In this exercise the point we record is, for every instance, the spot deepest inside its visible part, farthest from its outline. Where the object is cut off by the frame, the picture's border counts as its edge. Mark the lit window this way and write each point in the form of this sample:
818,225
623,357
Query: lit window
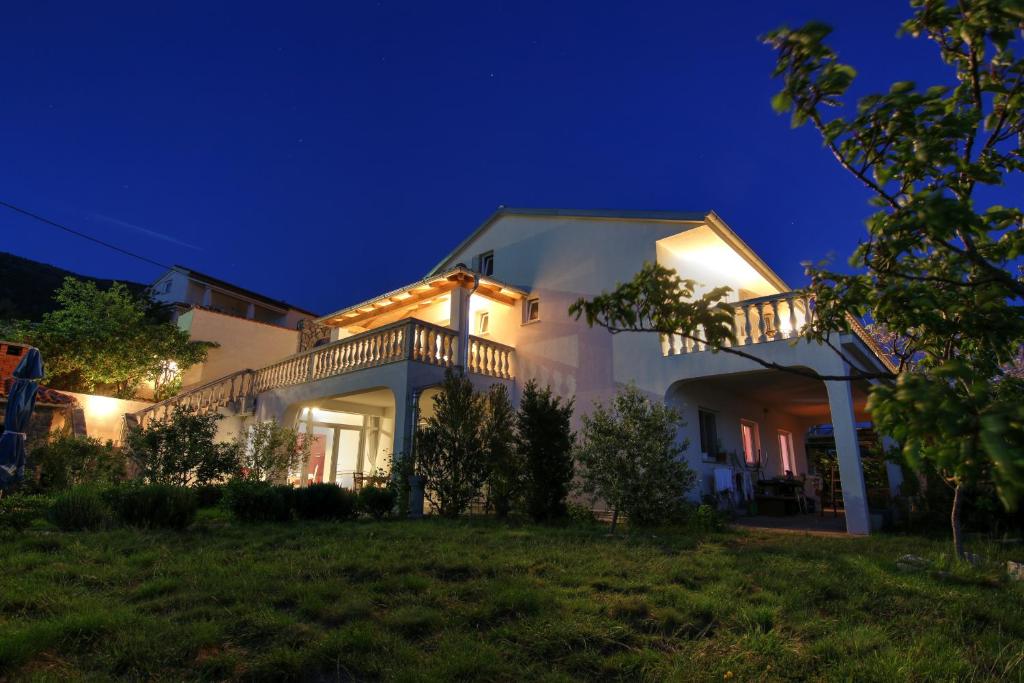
751,441
486,263
483,322
786,452
532,311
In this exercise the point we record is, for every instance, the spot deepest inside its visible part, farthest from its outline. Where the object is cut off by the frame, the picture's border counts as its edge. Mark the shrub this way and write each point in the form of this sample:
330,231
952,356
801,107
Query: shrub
545,439
324,501
580,514
258,501
504,463
181,450
268,451
208,495
706,518
67,460
17,512
80,509
631,459
449,449
153,506
377,501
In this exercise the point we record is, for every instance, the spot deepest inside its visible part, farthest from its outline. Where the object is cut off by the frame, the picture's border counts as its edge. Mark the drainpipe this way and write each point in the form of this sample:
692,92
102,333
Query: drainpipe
415,482
464,325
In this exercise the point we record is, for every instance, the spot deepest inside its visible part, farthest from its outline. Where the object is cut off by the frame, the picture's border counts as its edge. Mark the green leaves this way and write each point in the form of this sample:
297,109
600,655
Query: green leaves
932,266
658,300
631,460
109,341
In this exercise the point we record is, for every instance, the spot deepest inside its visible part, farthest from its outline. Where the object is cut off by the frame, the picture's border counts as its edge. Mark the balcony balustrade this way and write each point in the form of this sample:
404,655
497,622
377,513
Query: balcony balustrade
755,321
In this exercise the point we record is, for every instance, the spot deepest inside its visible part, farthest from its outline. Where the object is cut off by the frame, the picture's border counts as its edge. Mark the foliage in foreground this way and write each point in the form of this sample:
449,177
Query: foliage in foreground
940,262
460,600
631,459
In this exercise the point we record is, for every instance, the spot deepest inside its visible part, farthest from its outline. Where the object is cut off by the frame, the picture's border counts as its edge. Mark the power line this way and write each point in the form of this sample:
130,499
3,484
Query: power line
65,228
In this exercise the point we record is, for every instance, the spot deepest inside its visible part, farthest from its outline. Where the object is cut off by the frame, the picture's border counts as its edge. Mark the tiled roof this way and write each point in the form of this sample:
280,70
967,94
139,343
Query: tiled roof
45,395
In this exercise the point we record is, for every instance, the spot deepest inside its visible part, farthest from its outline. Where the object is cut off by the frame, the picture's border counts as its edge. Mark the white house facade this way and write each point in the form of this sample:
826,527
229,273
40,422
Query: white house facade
497,306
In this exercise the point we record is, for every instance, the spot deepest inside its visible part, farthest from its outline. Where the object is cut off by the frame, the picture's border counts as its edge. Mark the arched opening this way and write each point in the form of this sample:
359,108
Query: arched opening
351,438
748,436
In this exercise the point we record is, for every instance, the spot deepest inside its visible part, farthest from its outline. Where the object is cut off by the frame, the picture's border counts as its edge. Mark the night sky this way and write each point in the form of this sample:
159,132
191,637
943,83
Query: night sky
325,152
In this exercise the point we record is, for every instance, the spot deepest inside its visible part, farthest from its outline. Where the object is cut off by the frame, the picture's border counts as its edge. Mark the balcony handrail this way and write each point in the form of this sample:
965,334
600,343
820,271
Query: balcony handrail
186,397
774,317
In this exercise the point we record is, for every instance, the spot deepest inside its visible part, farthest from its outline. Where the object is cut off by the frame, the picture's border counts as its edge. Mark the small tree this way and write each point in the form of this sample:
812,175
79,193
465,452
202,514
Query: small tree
268,451
545,440
505,465
181,450
631,458
109,340
450,450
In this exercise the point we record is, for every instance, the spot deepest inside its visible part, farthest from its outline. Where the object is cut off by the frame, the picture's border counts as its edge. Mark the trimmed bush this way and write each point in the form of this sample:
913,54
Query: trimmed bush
324,501
80,509
208,495
67,460
153,506
377,501
258,501
17,512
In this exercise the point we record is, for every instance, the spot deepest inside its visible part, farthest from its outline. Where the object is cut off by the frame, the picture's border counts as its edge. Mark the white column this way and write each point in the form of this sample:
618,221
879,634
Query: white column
460,322
851,474
207,297
250,311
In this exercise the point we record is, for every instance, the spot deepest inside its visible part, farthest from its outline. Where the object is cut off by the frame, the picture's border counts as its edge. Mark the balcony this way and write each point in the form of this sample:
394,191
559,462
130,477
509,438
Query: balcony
755,321
406,340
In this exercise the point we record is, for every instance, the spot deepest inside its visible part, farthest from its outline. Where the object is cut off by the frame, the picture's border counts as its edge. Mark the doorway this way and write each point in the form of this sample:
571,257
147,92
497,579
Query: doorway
342,445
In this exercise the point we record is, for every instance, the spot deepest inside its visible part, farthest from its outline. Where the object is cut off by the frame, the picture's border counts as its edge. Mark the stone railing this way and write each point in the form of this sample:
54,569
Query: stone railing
233,391
490,358
756,321
412,340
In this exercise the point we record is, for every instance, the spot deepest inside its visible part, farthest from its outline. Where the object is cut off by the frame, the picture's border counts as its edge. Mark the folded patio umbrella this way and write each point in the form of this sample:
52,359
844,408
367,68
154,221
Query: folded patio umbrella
21,399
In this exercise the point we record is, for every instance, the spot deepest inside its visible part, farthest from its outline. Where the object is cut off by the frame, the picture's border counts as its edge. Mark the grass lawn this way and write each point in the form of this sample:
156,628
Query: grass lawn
474,599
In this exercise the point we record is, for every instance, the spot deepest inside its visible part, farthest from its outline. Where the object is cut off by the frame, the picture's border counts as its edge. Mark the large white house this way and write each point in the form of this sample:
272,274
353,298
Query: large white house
498,307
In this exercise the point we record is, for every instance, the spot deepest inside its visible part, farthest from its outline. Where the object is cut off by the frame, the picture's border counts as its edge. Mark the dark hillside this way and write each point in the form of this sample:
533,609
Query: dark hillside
27,286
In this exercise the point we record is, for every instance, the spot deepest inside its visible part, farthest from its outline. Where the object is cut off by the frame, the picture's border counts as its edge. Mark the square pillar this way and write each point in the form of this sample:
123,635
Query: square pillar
851,473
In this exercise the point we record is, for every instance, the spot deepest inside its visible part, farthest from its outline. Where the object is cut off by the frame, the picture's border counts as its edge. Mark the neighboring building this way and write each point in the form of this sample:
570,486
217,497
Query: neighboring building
185,288
250,329
497,306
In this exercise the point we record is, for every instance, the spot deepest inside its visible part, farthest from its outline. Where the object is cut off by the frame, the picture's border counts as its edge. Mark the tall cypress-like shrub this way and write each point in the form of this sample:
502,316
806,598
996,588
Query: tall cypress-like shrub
545,441
504,462
449,447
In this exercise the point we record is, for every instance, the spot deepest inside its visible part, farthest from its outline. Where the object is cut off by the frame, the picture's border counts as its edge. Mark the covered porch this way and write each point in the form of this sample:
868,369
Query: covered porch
748,441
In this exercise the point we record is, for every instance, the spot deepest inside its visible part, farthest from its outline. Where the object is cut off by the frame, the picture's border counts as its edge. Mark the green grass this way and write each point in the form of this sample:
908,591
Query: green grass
477,600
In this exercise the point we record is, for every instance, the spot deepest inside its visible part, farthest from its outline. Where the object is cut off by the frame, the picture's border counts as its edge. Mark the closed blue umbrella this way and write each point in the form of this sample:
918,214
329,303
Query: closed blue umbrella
21,399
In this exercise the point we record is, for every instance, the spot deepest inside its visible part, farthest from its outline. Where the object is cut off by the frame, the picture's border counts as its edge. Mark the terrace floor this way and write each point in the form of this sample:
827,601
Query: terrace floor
813,523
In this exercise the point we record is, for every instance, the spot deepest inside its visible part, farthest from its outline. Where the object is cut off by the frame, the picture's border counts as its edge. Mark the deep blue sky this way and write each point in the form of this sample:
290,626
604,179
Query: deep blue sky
325,152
